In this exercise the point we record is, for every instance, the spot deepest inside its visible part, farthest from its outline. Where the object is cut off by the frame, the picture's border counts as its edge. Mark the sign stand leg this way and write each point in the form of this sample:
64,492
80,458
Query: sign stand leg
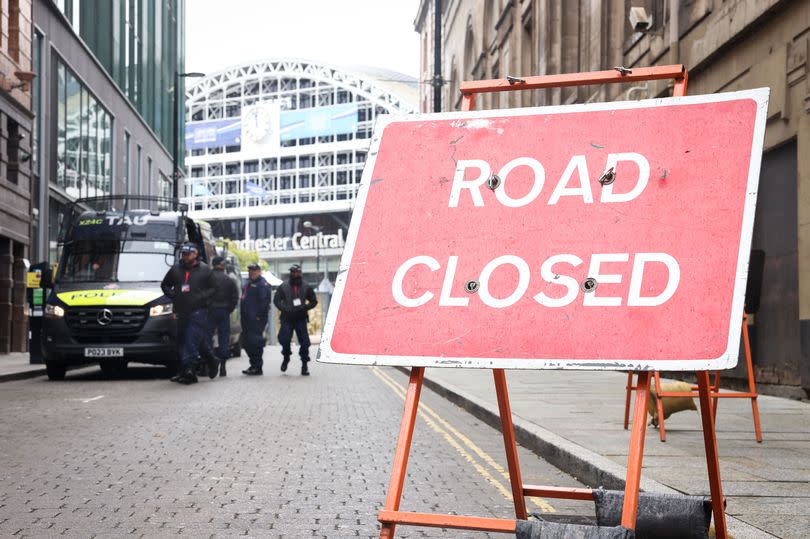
659,402
630,387
752,386
636,453
403,448
509,443
712,460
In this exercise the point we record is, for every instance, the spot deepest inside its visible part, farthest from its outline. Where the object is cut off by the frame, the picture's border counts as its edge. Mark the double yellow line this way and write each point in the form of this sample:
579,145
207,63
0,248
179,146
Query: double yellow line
457,440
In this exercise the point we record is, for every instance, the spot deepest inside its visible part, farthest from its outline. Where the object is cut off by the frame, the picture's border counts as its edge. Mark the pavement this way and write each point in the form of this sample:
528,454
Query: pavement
281,456
574,421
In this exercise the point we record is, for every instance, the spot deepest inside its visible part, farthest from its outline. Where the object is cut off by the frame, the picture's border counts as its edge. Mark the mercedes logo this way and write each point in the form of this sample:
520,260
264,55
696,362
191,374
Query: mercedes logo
105,317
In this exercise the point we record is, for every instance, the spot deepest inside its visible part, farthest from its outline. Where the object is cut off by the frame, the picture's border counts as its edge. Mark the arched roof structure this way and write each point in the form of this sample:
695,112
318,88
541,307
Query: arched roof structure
312,174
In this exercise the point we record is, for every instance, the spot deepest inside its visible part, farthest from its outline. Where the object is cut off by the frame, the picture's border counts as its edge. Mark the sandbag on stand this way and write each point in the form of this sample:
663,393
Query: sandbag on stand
660,516
541,529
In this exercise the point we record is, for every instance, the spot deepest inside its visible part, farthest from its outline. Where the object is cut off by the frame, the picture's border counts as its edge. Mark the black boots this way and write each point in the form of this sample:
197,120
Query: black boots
222,371
178,374
284,363
253,371
213,367
188,377
304,369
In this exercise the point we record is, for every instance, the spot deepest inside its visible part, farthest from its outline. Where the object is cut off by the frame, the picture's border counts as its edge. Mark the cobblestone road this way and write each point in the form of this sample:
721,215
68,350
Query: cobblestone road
272,456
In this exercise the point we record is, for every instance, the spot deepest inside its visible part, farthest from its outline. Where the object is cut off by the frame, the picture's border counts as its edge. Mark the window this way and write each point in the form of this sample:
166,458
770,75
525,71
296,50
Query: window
84,146
165,187
138,185
127,186
36,101
13,150
149,176
14,29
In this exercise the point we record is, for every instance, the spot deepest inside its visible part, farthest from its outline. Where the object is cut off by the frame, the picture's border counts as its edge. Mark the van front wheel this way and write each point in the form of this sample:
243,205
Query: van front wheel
55,371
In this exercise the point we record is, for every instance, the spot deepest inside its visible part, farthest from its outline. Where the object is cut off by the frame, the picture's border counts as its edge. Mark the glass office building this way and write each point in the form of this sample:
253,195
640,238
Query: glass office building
275,153
104,103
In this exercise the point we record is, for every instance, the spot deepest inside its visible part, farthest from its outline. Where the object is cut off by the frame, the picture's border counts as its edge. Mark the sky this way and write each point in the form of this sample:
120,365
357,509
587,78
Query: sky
377,33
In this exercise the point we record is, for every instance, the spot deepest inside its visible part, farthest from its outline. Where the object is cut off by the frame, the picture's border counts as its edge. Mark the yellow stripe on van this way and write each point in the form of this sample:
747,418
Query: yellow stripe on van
89,298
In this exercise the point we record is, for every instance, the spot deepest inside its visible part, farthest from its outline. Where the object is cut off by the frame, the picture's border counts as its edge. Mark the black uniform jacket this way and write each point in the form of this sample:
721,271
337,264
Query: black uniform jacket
226,293
284,301
190,288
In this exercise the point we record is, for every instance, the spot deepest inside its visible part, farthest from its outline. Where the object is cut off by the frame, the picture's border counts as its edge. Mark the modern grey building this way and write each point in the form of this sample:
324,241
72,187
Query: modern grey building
103,100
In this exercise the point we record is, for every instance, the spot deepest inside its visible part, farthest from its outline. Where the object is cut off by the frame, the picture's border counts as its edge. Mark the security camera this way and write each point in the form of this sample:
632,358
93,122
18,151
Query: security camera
640,20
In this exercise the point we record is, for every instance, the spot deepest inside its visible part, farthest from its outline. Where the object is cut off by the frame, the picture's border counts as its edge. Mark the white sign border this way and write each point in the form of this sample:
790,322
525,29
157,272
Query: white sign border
726,361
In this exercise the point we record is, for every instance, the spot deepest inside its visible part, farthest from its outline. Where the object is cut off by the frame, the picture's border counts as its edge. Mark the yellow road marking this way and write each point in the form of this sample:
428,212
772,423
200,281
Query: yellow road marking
426,413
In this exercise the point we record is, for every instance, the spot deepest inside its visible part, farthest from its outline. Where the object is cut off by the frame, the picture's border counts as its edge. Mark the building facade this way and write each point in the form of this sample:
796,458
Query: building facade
16,122
275,152
103,100
726,45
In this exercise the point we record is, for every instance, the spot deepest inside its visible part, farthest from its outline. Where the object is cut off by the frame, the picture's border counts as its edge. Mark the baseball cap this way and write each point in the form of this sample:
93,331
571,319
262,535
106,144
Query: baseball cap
295,267
217,260
254,266
188,248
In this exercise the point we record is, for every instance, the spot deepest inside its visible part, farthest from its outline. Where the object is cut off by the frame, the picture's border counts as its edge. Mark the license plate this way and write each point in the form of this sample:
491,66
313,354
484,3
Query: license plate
103,352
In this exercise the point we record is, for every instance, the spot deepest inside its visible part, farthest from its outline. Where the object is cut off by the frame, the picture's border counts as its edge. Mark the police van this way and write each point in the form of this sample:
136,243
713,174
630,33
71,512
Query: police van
106,305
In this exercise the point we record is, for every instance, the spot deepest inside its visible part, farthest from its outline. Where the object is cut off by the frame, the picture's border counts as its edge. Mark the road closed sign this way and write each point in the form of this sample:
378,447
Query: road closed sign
599,236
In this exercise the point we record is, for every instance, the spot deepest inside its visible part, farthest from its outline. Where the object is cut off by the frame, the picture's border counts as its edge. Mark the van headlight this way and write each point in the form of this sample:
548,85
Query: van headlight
54,311
160,310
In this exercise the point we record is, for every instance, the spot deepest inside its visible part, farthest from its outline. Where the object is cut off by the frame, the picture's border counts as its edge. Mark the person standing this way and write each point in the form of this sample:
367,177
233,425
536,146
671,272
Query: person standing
190,286
255,310
223,302
295,298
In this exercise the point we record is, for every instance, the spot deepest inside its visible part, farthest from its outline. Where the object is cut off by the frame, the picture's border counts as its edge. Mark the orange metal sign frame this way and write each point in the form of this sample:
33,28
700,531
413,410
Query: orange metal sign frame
390,516
715,389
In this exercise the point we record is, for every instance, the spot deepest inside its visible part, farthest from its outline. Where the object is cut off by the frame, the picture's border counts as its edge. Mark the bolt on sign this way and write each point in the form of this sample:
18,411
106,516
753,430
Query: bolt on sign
598,236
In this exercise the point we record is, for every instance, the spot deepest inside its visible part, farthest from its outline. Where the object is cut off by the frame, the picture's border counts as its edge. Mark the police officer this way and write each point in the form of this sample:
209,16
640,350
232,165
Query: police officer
190,286
224,301
255,311
295,298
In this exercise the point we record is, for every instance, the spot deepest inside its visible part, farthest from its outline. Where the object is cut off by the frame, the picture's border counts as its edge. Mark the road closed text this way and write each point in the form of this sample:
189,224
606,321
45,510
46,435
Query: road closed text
559,287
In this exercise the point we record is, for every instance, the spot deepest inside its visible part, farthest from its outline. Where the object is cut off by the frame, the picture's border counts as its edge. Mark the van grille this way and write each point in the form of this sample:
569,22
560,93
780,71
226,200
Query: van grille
121,320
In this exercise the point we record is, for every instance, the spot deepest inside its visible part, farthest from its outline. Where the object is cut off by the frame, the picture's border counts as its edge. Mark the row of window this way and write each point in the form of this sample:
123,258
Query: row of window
84,144
84,139
137,43
363,132
278,163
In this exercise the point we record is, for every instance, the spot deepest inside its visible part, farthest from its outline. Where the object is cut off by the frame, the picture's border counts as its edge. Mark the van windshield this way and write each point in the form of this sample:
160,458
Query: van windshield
112,261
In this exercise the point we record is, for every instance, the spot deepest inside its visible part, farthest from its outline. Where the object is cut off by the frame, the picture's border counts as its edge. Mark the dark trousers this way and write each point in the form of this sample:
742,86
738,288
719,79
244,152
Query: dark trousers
192,335
219,322
253,341
285,337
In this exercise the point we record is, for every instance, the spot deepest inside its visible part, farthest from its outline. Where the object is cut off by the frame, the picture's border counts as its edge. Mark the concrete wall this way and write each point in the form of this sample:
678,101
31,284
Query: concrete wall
726,45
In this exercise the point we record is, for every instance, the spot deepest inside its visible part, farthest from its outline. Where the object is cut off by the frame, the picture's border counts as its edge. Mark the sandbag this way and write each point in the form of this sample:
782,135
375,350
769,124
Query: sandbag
671,405
541,529
660,516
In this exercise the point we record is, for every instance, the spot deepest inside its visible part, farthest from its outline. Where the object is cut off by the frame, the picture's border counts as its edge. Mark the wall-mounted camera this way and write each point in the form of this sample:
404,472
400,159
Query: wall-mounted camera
640,20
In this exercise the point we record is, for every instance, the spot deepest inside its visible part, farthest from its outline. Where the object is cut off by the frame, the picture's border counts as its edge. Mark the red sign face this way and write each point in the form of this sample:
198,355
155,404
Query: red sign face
604,236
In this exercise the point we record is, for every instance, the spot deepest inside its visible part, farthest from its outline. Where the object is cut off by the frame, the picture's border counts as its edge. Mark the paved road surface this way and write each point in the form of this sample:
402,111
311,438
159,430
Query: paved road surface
272,456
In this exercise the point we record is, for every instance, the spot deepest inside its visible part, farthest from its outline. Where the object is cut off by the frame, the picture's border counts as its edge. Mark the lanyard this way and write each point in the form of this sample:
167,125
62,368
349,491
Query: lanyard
295,291
186,281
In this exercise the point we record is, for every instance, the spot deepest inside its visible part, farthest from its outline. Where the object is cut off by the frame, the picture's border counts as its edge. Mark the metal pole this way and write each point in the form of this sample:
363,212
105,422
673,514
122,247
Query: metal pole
437,56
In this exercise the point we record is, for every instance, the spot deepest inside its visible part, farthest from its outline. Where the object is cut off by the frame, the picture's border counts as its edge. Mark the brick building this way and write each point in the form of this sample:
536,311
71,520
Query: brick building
726,45
15,170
